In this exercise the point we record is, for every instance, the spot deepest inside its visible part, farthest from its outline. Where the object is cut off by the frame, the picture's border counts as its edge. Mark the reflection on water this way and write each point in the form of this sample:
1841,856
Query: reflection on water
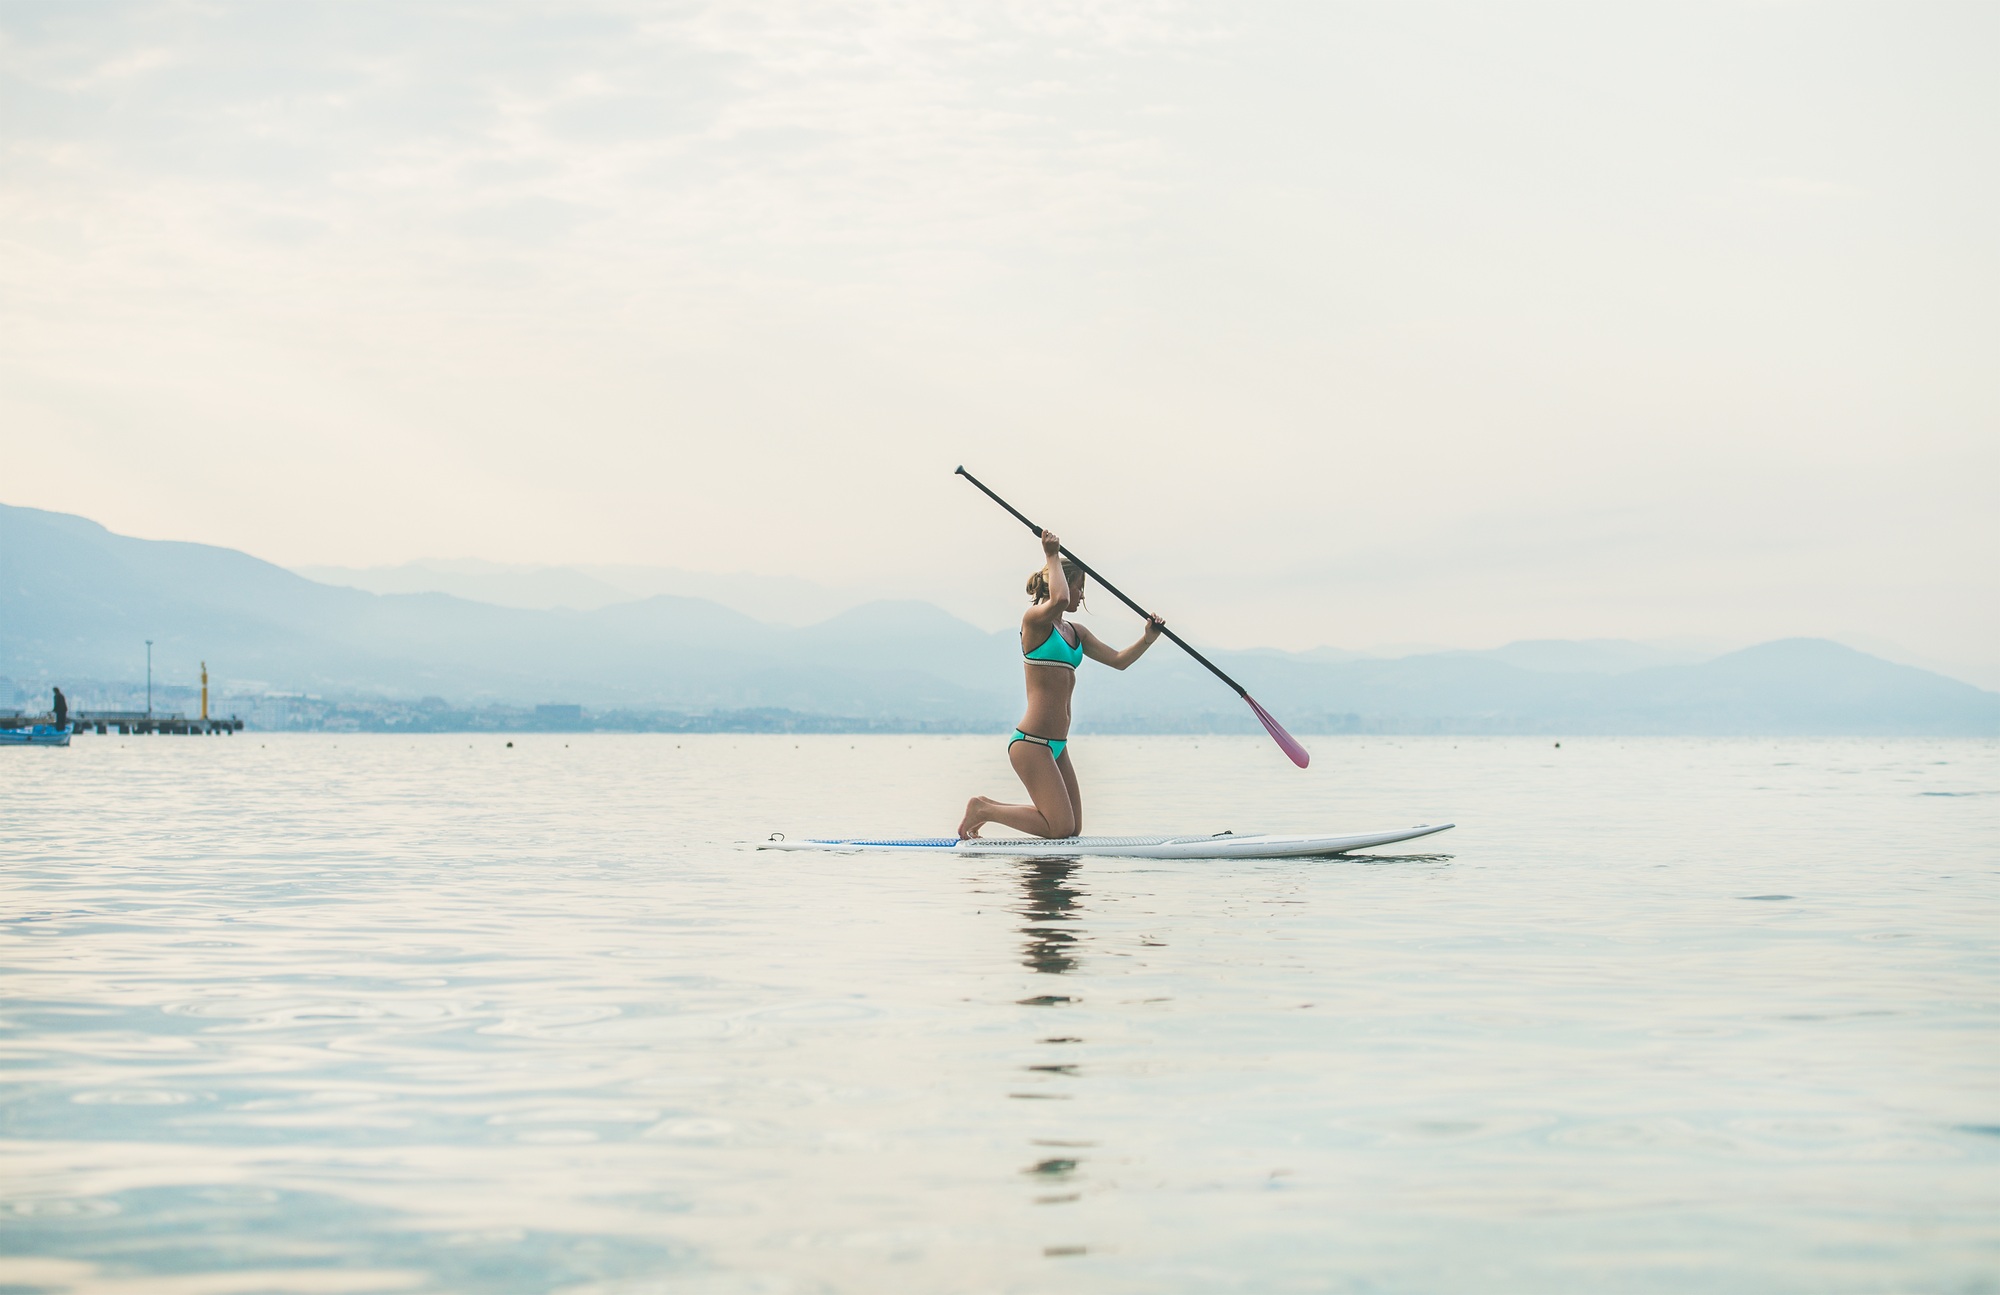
1050,903
1048,898
438,1015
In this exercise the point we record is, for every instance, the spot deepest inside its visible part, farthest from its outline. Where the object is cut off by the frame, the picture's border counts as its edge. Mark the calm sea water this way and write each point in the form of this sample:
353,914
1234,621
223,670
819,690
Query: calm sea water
352,1013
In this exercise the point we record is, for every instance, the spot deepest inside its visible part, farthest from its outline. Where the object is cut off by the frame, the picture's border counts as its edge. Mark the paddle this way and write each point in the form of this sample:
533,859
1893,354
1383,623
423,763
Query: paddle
1286,742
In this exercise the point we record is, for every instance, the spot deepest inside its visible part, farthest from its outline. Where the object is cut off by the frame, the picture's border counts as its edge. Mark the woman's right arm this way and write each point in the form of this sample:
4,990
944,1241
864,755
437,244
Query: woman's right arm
1046,613
1052,563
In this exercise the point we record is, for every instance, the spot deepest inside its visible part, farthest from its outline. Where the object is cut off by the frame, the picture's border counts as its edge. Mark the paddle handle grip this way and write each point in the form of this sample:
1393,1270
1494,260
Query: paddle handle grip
1110,588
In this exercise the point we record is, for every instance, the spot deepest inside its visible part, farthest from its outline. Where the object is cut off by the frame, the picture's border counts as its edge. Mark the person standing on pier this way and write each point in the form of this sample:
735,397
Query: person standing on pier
62,710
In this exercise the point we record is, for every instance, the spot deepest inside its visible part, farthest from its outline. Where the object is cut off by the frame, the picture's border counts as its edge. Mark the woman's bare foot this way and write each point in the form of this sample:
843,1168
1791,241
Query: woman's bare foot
975,818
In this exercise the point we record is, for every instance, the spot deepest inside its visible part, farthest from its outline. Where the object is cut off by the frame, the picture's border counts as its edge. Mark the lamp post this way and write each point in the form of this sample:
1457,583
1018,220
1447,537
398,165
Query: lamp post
149,678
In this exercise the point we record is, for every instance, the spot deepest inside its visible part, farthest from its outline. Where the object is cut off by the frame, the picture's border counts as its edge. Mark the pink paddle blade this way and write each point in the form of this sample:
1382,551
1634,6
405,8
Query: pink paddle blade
1286,742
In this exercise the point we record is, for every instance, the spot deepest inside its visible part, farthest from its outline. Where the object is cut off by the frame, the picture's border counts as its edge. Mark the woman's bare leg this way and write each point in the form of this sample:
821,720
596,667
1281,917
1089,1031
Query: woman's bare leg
1068,772
1052,815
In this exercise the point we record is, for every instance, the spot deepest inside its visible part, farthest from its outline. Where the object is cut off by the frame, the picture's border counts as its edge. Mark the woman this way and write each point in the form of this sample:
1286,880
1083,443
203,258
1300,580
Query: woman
1052,648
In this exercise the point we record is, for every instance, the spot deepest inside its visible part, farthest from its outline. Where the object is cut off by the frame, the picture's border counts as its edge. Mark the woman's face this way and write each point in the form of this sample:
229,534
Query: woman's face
1075,595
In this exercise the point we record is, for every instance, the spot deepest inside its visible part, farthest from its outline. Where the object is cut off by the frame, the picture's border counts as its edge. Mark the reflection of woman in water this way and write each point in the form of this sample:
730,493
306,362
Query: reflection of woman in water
1052,649
1051,899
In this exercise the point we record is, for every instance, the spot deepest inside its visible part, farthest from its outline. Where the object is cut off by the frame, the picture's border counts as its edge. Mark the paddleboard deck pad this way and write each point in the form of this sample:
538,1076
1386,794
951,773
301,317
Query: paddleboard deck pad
1223,845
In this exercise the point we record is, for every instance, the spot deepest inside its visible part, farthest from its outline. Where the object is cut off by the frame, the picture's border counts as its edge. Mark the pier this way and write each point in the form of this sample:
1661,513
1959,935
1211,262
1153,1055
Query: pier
135,721
131,721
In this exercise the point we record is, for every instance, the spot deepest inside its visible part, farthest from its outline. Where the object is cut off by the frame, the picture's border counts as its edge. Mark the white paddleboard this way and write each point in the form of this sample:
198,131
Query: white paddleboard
1224,845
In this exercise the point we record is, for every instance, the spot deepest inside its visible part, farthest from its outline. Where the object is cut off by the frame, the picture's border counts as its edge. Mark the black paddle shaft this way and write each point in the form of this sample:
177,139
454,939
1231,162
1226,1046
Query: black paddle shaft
1114,590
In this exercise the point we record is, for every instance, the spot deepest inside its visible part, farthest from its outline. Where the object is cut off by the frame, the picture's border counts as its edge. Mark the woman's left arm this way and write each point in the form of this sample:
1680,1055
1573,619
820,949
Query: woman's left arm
1098,650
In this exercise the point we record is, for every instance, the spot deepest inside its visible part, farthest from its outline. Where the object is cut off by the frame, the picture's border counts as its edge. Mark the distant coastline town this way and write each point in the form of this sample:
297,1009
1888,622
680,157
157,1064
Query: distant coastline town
307,713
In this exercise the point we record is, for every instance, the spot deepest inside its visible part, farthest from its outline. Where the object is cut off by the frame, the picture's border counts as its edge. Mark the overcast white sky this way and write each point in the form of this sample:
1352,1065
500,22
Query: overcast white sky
1309,322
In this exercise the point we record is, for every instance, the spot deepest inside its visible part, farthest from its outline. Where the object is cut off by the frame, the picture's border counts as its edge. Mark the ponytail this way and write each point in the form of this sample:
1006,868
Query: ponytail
1038,582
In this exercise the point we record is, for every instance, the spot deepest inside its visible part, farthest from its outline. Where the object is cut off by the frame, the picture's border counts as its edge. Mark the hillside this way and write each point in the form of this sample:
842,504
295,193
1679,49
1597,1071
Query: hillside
77,603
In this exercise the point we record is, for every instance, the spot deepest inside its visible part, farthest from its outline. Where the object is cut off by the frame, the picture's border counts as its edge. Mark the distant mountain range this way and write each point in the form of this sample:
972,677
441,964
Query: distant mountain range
77,602
778,599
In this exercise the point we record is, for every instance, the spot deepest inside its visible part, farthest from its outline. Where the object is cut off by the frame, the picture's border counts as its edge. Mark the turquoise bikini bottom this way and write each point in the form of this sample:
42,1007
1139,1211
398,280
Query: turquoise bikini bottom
1054,744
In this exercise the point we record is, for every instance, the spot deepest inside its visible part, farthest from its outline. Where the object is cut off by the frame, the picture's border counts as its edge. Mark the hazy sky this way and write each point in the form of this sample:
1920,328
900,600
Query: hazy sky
1312,323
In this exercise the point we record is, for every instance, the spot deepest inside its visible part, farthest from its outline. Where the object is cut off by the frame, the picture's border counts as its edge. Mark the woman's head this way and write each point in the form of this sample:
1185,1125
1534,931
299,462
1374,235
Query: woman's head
1038,584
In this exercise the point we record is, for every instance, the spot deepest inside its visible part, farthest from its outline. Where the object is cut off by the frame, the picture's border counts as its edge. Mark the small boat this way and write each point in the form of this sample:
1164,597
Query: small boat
35,735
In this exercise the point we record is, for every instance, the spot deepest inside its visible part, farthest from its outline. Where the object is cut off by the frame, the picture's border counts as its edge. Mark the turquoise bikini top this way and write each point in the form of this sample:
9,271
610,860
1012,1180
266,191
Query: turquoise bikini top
1057,650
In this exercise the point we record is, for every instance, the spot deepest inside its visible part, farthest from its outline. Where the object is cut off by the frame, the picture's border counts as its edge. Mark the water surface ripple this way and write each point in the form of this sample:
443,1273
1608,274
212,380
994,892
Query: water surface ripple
365,1013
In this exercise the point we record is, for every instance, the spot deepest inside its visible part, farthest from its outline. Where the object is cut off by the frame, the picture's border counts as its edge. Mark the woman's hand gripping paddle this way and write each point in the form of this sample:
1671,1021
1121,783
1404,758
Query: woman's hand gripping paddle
1286,742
